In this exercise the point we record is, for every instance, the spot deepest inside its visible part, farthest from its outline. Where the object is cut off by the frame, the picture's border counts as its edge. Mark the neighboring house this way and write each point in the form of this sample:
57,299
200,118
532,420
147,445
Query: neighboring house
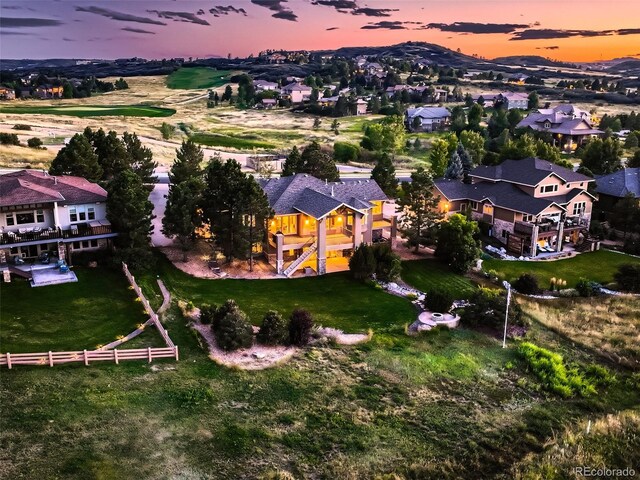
263,85
615,186
24,92
297,92
518,79
531,205
43,213
427,119
568,125
508,100
267,103
361,107
7,93
49,91
276,58
438,95
316,222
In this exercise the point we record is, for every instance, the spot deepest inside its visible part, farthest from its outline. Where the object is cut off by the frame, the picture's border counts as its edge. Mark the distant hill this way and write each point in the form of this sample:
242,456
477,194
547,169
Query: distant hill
531,61
626,65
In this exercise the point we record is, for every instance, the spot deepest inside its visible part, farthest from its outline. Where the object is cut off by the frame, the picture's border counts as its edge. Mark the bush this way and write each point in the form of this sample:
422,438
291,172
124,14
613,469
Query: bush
344,152
207,313
21,126
234,331
102,257
300,325
587,288
388,263
273,330
362,263
488,308
9,139
527,284
34,142
438,300
631,245
220,312
628,277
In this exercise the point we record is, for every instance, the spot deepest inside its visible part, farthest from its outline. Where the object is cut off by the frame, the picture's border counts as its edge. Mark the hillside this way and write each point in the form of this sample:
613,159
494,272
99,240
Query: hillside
531,61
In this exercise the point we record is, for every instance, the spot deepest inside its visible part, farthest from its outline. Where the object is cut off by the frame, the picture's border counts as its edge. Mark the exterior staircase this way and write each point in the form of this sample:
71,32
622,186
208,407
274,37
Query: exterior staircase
20,273
298,261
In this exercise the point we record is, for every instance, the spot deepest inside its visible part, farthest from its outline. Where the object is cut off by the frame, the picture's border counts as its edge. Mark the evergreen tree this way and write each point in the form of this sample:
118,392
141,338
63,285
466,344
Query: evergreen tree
140,158
475,116
497,123
187,164
130,212
474,143
602,156
634,162
112,153
514,117
439,157
466,160
420,209
181,217
293,163
455,169
77,158
384,173
534,101
226,95
631,141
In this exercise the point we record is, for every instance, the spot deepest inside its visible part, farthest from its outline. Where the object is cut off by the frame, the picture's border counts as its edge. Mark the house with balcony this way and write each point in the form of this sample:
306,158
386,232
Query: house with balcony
427,119
50,216
568,125
318,224
532,206
613,187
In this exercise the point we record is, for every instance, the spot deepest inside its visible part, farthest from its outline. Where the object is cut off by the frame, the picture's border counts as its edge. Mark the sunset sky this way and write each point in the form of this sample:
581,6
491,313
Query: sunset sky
578,30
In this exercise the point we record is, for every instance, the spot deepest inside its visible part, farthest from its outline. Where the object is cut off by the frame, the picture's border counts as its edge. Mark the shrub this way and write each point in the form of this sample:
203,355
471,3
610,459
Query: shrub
488,308
9,139
631,245
34,142
273,330
362,263
234,331
527,284
300,325
344,152
21,126
628,277
220,312
438,300
587,288
388,263
207,313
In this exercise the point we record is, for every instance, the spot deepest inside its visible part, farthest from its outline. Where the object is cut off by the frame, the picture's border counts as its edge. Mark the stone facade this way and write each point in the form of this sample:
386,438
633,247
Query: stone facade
500,226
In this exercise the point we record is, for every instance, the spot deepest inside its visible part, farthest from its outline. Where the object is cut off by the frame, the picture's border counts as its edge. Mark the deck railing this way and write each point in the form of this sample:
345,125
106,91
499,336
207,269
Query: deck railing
9,238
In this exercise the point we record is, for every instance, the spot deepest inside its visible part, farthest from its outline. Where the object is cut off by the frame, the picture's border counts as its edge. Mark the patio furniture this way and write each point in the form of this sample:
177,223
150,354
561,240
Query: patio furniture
214,266
64,268
44,258
17,260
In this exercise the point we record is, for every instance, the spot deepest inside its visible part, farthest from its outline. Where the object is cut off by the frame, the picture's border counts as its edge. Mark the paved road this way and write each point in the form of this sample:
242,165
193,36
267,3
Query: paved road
157,197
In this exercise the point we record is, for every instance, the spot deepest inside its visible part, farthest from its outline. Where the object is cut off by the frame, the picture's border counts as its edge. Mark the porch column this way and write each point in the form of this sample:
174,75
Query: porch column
357,229
394,229
368,233
560,235
534,241
322,246
279,253
56,217
62,251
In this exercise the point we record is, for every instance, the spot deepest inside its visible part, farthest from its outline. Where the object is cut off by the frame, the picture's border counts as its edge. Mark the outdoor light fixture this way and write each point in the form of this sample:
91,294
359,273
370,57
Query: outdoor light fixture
306,222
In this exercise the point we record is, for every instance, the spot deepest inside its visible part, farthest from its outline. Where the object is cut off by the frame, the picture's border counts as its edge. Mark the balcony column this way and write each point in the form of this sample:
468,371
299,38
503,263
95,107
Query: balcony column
534,240
322,246
357,229
368,233
56,217
279,253
394,229
560,235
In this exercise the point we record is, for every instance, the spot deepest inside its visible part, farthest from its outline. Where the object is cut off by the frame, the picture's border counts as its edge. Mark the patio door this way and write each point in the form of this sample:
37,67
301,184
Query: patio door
487,213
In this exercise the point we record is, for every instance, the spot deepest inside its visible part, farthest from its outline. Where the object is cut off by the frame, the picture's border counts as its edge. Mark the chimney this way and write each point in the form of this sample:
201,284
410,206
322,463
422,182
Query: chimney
55,180
332,190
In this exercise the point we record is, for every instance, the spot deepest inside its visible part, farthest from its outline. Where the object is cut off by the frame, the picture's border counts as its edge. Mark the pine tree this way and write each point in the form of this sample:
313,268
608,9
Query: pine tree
112,154
181,217
293,163
384,173
439,157
140,158
187,164
77,158
313,161
455,169
467,162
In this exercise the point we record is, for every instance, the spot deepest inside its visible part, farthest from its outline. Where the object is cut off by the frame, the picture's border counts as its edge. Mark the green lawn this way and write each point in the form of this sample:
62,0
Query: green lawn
92,110
598,266
197,78
71,316
335,300
427,274
237,142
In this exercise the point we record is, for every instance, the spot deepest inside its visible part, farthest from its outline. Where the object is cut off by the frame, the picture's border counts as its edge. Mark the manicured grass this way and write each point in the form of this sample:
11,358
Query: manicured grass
197,78
219,140
599,266
92,110
427,274
71,316
335,300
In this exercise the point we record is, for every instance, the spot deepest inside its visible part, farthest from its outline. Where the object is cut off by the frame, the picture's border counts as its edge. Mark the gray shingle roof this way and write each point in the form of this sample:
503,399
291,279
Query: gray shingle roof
529,171
304,193
428,112
620,183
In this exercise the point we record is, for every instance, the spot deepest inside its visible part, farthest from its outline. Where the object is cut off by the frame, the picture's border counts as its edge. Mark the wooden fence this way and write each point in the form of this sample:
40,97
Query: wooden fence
145,303
87,356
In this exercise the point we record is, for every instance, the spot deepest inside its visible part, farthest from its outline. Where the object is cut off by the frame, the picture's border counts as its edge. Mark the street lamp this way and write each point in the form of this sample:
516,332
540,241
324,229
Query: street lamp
506,285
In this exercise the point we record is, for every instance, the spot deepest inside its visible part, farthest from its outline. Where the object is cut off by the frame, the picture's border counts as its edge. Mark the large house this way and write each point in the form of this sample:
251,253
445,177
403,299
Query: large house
56,215
49,91
297,92
568,125
427,119
508,100
614,187
317,223
531,205
7,93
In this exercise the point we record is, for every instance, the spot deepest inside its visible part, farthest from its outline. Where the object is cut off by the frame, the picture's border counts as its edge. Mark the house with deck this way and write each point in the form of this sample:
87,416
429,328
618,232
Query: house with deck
614,187
44,216
318,224
532,206
7,93
568,125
